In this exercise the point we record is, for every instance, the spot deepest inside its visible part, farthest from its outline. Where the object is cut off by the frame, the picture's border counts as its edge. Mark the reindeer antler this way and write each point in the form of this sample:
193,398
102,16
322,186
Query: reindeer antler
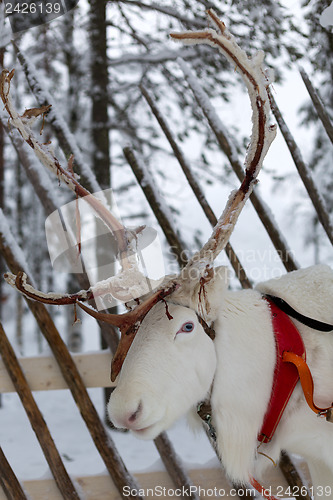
262,135
130,277
257,82
46,156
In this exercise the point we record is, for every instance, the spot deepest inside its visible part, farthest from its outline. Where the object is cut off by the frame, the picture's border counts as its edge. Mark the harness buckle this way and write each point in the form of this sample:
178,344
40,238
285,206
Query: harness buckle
329,414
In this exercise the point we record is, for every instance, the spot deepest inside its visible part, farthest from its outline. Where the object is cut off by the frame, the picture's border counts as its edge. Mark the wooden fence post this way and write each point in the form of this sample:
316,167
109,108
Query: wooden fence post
9,482
37,421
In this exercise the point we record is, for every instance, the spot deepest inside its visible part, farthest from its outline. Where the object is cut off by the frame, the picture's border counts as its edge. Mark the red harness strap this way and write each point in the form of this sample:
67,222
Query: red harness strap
286,376
289,368
260,489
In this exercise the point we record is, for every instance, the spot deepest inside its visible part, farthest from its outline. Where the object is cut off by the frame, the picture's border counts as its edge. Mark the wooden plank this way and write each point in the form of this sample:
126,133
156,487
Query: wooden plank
101,487
43,372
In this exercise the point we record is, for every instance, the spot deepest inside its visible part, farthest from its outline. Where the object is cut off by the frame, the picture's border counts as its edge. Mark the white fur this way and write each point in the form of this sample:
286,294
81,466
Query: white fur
165,375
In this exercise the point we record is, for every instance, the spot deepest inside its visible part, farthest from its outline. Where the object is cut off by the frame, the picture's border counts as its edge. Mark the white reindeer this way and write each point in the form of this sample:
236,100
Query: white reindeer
167,363
173,365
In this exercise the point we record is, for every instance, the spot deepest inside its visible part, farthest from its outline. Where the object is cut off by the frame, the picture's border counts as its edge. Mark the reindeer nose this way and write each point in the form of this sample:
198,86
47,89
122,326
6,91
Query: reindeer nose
125,412
132,418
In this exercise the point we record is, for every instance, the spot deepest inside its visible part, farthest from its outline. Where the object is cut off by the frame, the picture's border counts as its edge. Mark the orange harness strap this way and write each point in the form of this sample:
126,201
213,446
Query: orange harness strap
294,342
260,489
308,389
307,383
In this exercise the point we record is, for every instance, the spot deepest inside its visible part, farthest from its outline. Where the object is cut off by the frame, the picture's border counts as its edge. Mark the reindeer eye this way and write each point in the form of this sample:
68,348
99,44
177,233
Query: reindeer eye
187,327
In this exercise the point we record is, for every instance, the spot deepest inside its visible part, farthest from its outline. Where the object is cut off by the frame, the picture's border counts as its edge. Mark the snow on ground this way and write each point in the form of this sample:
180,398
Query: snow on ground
75,445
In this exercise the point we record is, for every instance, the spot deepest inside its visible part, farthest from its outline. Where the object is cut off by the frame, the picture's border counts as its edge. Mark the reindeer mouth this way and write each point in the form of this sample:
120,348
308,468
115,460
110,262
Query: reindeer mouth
149,432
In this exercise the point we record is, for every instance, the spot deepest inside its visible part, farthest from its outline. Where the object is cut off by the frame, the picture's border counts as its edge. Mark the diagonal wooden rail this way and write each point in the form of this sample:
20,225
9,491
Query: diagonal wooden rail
228,148
318,104
8,481
37,422
304,172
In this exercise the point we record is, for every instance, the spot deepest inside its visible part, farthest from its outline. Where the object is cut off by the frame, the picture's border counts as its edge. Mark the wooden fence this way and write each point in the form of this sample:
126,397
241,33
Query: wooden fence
78,372
43,373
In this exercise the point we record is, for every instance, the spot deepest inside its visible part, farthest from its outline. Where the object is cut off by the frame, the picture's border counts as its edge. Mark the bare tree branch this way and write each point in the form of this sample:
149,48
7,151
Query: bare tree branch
153,57
195,23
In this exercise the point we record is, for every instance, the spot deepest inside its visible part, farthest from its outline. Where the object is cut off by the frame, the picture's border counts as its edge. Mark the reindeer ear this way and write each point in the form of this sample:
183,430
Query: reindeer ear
204,297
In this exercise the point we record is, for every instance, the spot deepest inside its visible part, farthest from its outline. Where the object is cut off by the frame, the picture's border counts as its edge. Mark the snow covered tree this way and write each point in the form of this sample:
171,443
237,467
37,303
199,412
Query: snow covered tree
94,62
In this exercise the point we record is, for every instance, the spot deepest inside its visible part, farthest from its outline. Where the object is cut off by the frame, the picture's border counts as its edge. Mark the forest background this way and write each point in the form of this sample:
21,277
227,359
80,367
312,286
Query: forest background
94,65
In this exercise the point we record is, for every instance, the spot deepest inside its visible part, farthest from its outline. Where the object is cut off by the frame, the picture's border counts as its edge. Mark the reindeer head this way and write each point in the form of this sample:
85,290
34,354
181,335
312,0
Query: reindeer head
171,363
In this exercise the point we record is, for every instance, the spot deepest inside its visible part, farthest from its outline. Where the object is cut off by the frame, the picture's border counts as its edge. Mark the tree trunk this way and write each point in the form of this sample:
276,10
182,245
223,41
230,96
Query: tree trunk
99,121
2,205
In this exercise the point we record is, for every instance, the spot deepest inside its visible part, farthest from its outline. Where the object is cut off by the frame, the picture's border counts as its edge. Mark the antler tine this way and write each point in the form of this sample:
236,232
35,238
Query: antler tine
19,282
261,137
130,275
128,323
45,154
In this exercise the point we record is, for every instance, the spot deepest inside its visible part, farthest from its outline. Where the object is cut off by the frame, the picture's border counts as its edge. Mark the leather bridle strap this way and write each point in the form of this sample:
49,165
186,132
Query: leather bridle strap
209,330
312,323
298,361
